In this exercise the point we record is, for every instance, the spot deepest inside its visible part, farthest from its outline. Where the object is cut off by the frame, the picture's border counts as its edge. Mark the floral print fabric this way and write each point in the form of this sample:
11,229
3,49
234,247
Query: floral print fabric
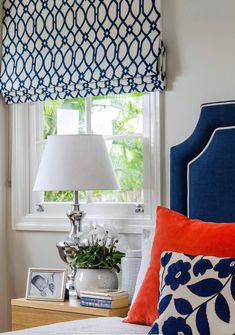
197,295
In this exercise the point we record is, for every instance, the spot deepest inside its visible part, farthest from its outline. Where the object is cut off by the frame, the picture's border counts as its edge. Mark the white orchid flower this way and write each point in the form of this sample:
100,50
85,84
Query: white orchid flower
97,234
112,231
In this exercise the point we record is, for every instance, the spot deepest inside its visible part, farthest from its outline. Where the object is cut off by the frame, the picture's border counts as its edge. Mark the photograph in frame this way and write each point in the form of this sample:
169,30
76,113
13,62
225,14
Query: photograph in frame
46,284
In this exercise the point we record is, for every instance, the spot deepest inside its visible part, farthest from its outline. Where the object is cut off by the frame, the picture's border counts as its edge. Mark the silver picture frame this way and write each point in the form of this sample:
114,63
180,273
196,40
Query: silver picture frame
46,284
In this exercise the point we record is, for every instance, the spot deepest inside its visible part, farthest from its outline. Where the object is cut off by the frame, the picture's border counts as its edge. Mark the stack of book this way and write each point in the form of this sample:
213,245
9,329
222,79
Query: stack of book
104,299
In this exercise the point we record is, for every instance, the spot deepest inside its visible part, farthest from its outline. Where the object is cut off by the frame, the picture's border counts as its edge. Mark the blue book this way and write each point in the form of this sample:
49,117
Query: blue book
103,303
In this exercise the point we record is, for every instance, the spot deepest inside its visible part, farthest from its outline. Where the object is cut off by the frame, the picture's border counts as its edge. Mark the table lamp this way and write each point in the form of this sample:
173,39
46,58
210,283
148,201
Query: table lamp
74,163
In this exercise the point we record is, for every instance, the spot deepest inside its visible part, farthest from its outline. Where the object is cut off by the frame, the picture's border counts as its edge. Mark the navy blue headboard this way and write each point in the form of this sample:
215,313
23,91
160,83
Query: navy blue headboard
205,188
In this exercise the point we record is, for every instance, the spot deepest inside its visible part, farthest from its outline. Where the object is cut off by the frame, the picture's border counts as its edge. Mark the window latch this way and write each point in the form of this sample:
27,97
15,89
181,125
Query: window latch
139,208
39,208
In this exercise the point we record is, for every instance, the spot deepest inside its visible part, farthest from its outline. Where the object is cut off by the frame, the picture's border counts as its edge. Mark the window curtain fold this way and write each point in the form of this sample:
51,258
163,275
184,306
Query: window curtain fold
57,49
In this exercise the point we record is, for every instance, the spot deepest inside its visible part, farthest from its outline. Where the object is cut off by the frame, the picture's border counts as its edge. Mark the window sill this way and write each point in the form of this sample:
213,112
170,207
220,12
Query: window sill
34,222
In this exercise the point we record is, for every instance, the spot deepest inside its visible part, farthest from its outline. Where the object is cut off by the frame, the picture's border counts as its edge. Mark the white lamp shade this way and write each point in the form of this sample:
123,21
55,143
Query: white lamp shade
75,162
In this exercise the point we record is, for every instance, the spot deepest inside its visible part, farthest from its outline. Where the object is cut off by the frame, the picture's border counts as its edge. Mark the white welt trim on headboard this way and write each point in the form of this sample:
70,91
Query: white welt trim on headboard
201,154
229,102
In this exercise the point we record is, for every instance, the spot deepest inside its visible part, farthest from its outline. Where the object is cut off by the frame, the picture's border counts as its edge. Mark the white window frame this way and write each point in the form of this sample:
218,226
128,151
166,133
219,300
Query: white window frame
26,133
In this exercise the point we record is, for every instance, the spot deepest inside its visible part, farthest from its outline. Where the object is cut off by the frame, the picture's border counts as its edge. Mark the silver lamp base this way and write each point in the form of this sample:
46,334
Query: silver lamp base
68,248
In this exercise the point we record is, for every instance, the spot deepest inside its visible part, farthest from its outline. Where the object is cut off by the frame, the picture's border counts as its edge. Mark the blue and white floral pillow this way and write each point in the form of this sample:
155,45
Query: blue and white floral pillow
197,295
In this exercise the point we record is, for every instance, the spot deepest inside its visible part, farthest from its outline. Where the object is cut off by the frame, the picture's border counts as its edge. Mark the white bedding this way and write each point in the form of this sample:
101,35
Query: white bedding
94,326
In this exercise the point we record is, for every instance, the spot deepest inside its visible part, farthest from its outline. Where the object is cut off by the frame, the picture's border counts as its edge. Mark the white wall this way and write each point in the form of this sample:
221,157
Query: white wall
4,255
200,36
200,39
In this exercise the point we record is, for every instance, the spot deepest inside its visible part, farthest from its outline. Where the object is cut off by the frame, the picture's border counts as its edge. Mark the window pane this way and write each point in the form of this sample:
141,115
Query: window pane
64,117
58,196
61,196
109,115
117,114
127,159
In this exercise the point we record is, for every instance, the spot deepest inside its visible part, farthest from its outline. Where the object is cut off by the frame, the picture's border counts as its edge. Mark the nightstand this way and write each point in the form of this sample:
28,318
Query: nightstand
32,313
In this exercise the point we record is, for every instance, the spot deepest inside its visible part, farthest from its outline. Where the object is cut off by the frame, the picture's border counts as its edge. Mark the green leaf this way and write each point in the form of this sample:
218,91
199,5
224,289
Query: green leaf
97,256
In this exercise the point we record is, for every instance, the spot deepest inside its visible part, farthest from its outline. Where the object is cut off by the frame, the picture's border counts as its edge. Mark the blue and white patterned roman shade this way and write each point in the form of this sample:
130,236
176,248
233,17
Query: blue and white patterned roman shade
56,49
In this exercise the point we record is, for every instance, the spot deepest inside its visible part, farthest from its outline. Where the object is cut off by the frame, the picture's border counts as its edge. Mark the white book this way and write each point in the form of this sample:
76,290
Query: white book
104,294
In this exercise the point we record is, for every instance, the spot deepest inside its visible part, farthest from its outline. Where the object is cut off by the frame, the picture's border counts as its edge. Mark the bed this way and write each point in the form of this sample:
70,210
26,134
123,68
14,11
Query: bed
104,326
202,167
202,186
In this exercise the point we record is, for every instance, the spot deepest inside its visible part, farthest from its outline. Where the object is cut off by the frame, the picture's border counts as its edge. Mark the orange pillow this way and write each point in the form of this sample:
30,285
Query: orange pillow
175,232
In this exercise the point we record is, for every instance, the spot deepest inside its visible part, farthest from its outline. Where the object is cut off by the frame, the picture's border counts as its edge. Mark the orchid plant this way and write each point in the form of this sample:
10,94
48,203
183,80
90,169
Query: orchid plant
100,249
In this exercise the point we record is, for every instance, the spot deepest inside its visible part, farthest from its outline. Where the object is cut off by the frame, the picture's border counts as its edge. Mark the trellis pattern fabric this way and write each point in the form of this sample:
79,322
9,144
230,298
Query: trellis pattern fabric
56,49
